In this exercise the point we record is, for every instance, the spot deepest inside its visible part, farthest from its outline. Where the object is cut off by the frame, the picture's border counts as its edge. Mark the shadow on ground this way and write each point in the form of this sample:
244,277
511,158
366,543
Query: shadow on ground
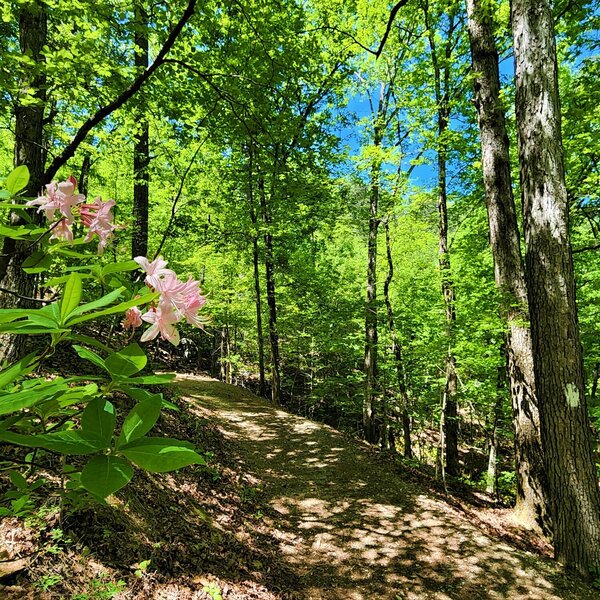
349,528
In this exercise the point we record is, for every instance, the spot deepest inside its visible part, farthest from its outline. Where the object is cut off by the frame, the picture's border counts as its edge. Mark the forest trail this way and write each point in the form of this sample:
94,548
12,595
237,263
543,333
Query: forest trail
352,529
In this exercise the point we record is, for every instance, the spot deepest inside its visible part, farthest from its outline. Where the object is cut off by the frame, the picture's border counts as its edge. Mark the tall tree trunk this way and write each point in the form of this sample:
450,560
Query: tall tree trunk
84,174
29,151
255,265
397,349
495,417
370,362
450,407
558,361
271,297
141,151
595,377
531,506
441,70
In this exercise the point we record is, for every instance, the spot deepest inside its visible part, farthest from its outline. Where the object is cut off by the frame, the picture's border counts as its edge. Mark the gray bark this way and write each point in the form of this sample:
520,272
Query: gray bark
271,295
441,70
558,362
397,350
531,505
29,151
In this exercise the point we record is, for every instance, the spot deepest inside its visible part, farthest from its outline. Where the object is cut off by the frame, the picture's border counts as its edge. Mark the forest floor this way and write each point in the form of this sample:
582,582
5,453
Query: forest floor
288,509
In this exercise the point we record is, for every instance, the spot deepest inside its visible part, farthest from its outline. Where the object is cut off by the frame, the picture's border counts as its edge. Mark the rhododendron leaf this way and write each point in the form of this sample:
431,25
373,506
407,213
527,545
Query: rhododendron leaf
18,369
29,328
64,442
7,315
89,355
141,419
17,180
120,267
152,379
126,362
104,475
122,307
30,396
159,455
38,262
98,420
103,301
71,295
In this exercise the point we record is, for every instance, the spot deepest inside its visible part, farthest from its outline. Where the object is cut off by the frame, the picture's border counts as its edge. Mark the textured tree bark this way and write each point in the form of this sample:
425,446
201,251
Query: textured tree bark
558,362
141,151
449,420
256,264
492,470
29,150
450,407
84,175
397,349
271,296
531,506
594,389
370,361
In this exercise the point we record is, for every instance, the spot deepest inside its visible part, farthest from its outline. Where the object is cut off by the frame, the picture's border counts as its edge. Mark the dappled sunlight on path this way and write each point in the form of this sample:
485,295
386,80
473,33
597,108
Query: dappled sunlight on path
350,527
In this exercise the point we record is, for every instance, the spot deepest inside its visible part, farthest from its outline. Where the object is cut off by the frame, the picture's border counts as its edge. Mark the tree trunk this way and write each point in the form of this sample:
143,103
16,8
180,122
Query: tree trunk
449,428
271,297
495,417
595,377
558,361
370,362
141,151
397,349
255,264
84,174
531,506
29,151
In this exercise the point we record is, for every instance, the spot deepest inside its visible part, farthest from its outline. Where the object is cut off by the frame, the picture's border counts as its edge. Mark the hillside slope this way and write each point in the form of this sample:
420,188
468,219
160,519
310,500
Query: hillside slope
286,509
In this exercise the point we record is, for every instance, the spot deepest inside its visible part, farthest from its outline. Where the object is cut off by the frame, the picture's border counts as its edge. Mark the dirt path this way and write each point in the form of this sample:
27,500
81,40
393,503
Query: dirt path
351,529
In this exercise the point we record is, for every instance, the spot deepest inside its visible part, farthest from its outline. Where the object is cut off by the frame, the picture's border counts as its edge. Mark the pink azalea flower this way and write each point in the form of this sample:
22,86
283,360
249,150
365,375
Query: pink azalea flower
133,318
157,277
163,322
185,299
62,230
99,221
59,197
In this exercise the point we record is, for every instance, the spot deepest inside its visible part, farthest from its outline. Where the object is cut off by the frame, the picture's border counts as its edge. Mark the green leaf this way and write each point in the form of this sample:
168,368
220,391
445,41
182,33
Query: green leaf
30,397
115,309
98,420
29,328
126,362
141,419
17,180
90,341
38,262
18,369
161,454
18,480
104,475
152,379
103,301
71,296
7,315
120,267
140,394
63,442
89,355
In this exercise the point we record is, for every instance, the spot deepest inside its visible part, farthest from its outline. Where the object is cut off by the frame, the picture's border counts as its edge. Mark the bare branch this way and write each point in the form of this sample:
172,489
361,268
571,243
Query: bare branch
97,118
